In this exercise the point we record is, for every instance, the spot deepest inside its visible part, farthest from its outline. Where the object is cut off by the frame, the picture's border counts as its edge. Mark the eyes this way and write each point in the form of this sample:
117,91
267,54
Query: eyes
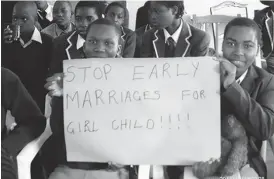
246,46
95,42
88,18
16,19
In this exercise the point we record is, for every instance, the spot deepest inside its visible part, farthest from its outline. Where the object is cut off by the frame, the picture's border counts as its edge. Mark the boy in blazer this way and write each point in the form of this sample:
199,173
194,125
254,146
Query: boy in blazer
264,19
70,46
172,37
117,13
247,92
98,33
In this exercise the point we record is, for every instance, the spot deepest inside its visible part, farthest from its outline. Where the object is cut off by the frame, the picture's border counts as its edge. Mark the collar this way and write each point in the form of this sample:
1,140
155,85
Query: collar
60,31
242,77
175,36
36,36
49,12
80,42
148,27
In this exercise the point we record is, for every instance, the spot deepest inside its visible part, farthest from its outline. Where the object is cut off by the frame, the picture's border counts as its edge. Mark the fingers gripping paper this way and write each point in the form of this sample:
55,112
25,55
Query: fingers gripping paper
142,111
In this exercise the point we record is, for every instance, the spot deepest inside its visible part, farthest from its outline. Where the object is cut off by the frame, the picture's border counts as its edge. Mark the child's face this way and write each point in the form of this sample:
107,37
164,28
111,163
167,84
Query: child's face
116,14
102,42
160,15
83,17
240,47
42,4
24,17
62,13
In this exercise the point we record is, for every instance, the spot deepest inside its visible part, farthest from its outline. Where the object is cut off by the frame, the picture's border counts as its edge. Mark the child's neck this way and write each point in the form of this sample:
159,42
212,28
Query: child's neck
63,27
174,26
26,37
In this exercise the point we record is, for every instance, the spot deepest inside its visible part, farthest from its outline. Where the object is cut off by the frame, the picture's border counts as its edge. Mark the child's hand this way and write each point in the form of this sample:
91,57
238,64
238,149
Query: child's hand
8,35
55,84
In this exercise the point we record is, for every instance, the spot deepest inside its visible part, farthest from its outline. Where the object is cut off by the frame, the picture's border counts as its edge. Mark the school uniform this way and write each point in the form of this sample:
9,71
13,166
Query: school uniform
128,38
45,17
265,20
54,31
30,61
251,102
30,121
187,41
139,34
66,47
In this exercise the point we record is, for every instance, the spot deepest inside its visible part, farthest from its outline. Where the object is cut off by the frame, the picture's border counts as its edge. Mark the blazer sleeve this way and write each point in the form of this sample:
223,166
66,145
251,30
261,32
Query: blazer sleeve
256,115
30,121
129,46
202,46
56,63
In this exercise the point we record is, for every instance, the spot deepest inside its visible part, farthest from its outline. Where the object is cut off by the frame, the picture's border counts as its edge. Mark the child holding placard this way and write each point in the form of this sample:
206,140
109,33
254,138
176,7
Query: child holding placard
102,41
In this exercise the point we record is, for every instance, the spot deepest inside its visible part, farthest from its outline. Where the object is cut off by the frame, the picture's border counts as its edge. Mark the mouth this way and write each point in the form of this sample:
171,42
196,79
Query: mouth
238,63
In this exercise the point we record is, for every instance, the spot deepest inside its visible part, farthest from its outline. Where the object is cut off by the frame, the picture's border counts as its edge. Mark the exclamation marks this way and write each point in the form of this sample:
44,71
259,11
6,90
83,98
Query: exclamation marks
161,122
169,120
179,121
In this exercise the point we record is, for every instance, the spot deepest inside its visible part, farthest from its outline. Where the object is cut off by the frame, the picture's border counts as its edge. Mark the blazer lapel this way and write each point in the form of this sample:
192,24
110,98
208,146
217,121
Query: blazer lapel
249,83
159,43
71,50
123,33
183,43
269,28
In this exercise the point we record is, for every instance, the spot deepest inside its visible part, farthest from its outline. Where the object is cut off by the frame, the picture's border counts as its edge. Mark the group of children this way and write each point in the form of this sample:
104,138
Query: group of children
247,91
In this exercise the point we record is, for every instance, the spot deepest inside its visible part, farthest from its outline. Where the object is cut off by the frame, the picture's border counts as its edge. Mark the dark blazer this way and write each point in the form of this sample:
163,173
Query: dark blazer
128,42
252,102
64,48
192,42
30,121
264,20
139,35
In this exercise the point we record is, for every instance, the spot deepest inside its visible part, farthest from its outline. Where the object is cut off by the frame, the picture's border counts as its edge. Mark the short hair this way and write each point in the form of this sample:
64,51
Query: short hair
31,4
245,22
68,2
104,21
91,4
116,4
179,4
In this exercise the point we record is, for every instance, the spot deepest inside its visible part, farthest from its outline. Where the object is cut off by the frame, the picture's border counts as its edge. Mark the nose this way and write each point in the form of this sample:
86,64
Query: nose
99,47
239,50
84,23
115,18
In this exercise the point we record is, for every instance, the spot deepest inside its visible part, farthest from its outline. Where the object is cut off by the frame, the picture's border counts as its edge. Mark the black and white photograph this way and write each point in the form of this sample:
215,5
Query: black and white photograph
136,89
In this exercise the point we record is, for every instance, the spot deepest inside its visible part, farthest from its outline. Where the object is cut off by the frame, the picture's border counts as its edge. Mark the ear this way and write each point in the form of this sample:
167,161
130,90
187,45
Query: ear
119,50
258,54
175,10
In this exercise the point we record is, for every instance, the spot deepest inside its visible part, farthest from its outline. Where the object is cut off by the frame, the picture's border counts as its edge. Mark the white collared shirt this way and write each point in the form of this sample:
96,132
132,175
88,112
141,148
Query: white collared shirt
80,42
242,77
36,36
49,10
175,36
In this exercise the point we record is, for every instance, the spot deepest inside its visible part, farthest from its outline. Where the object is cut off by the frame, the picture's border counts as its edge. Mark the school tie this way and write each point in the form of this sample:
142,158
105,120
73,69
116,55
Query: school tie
43,14
170,47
